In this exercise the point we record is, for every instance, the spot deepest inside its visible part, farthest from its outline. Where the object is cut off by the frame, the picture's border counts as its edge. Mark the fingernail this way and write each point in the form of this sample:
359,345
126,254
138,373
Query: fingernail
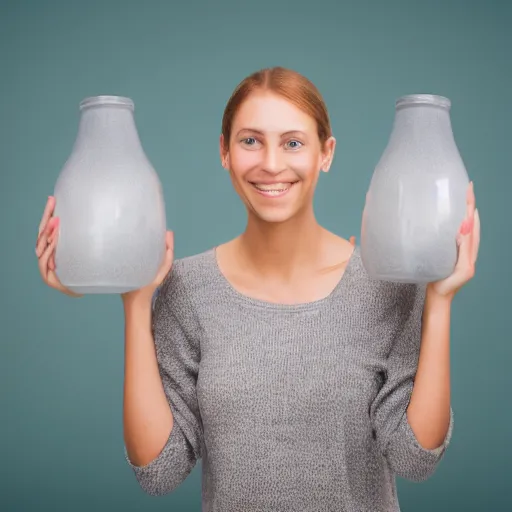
466,227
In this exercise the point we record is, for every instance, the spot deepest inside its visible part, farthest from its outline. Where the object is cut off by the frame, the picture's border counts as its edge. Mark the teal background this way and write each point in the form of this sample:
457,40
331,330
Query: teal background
61,360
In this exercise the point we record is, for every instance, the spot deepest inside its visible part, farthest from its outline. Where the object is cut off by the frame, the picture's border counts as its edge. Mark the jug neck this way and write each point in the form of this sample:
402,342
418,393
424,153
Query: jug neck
423,116
107,122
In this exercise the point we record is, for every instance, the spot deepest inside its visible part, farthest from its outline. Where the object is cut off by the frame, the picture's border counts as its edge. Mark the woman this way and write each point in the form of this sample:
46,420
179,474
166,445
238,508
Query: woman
299,382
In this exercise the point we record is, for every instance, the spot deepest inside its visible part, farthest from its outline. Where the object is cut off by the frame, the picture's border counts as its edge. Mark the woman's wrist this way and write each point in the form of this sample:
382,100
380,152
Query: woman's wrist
138,300
436,299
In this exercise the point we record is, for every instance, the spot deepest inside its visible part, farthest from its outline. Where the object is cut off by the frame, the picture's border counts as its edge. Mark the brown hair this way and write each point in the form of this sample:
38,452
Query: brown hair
288,83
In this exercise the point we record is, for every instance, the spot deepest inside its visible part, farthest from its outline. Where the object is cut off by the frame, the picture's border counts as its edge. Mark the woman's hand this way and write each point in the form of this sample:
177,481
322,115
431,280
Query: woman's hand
45,249
468,242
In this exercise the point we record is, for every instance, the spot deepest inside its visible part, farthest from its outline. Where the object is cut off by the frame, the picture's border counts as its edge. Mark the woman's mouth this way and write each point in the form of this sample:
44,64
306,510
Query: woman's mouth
273,189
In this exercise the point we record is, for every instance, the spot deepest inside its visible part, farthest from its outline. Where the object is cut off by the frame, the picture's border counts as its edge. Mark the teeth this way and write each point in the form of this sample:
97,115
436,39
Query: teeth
274,188
273,192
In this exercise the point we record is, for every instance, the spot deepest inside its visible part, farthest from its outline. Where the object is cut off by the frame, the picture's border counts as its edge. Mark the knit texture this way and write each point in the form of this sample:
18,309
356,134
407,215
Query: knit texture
289,407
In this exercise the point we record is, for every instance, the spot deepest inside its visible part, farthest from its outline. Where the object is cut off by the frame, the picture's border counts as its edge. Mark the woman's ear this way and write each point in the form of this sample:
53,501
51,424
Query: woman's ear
224,155
328,153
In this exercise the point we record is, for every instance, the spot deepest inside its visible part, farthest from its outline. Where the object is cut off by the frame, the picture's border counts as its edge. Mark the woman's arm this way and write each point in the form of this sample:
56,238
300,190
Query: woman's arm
411,415
147,416
429,409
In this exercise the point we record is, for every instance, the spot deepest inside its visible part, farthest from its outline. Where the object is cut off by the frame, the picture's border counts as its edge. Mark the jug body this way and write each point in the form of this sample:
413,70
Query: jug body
110,204
416,200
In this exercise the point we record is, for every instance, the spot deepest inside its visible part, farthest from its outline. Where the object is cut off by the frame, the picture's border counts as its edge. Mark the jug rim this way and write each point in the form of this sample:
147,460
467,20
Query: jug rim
423,99
102,100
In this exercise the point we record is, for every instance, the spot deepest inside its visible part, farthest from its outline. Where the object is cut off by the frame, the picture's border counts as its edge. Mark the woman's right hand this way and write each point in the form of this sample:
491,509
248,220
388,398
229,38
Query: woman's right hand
45,248
45,251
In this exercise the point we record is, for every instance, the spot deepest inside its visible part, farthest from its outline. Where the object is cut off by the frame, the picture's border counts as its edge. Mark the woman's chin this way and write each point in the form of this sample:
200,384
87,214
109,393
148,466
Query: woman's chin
273,215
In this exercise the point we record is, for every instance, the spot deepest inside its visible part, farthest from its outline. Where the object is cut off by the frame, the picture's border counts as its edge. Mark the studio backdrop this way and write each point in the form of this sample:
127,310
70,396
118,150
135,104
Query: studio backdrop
61,359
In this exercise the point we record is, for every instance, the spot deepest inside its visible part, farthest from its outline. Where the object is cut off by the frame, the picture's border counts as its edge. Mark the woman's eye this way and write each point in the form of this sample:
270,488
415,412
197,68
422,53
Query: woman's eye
294,144
250,141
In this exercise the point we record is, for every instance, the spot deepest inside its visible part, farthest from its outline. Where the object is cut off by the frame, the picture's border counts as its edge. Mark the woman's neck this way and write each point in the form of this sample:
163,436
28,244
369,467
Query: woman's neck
282,249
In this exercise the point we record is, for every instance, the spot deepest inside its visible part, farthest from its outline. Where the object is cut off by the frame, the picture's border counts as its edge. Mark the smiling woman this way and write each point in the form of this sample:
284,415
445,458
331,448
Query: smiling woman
300,382
276,137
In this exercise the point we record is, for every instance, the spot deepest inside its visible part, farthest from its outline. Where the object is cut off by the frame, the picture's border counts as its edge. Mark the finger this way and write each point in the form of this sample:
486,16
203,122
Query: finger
43,260
466,227
470,201
48,210
51,261
53,282
168,258
352,240
169,240
464,266
476,236
42,241
169,255
48,274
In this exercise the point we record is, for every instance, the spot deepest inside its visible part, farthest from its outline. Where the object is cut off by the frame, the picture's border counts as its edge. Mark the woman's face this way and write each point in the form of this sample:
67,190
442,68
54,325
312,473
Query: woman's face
275,156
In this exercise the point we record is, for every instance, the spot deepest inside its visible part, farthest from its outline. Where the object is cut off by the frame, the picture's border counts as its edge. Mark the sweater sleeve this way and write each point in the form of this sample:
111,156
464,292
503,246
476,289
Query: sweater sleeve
178,359
396,439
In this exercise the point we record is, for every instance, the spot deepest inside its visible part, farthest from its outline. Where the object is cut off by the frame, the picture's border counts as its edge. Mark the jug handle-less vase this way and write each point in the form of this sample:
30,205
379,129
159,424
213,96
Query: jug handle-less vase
110,204
416,200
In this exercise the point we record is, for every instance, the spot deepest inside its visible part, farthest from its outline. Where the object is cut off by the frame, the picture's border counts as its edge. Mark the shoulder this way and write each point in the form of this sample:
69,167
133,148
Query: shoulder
188,276
192,269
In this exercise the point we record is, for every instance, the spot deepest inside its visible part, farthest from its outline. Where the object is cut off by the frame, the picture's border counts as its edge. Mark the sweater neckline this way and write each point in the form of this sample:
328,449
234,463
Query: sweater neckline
226,287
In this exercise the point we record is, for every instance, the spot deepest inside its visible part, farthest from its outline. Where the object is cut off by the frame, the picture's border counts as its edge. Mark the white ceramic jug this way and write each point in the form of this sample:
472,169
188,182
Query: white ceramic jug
110,204
416,200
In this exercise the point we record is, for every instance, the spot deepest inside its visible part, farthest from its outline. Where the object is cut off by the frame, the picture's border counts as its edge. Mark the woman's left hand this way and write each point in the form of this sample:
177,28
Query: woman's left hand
468,242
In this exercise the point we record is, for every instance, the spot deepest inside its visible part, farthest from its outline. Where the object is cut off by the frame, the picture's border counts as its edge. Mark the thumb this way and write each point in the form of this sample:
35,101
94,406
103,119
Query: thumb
169,257
169,241
169,253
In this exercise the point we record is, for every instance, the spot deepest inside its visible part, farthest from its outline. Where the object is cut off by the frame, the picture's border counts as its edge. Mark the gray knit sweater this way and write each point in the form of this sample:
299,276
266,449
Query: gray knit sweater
291,408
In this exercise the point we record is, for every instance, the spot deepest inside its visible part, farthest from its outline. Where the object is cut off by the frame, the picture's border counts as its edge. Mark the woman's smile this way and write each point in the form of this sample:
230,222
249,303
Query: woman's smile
273,190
